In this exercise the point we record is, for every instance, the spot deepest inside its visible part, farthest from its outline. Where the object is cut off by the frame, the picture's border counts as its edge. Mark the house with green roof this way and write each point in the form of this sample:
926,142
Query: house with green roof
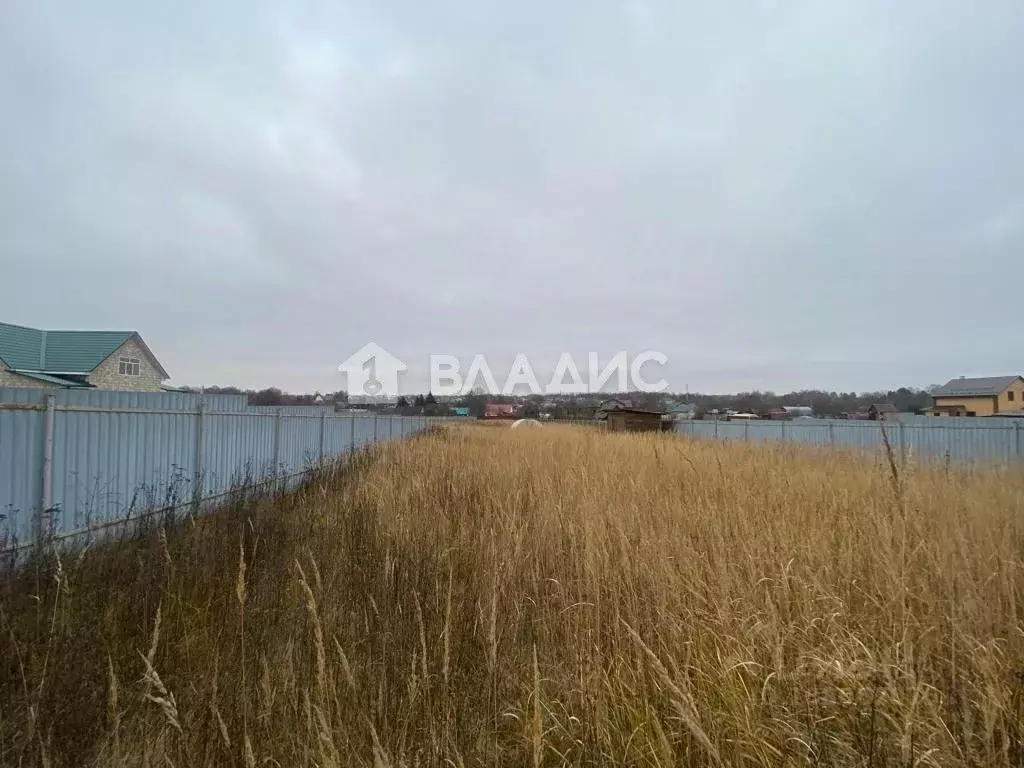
32,357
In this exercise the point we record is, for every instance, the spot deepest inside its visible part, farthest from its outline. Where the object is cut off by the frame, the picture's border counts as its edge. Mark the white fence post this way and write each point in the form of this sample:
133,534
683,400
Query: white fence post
47,479
1016,438
278,419
323,432
45,519
200,465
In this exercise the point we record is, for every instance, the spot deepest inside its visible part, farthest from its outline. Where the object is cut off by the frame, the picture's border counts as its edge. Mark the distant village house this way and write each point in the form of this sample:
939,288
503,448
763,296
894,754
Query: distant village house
32,357
500,411
881,411
978,396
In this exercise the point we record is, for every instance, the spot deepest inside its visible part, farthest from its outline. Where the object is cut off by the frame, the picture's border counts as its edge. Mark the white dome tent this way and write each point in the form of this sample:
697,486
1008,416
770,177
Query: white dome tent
526,423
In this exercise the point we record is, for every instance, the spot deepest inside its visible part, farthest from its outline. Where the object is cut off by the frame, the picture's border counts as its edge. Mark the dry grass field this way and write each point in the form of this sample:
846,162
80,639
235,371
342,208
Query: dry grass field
540,597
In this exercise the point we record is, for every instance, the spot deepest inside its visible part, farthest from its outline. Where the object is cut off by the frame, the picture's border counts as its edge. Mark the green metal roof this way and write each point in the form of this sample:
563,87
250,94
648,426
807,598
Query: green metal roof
80,351
51,352
20,347
59,381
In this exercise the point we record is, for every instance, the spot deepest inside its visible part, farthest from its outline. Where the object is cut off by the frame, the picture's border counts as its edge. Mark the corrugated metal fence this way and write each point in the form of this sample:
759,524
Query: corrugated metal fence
83,458
956,439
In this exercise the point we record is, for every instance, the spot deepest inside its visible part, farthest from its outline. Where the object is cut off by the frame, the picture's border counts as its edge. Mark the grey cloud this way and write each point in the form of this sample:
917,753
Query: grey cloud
774,194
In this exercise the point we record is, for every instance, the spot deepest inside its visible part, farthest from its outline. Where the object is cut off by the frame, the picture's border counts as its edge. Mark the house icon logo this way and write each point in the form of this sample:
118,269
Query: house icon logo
372,373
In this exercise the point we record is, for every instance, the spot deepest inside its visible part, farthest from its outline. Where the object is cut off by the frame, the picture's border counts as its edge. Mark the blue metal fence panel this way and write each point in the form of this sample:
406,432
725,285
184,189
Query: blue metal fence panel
106,463
27,395
956,439
730,430
813,433
300,444
309,411
394,427
338,436
960,441
859,435
115,453
365,430
109,398
698,428
236,448
21,460
764,431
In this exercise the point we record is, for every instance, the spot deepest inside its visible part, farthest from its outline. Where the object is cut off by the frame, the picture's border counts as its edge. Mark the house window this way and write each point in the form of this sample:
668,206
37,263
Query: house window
1009,395
128,366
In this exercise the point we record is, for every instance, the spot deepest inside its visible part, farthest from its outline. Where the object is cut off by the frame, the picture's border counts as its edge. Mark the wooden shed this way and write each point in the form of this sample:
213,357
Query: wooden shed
881,411
633,420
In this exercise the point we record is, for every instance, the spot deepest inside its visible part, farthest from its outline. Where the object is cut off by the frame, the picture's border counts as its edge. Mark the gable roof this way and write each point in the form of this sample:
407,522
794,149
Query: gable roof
80,351
499,407
988,386
614,404
62,352
20,347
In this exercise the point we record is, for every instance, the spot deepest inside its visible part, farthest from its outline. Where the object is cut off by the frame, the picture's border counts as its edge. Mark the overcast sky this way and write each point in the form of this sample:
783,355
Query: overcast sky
776,194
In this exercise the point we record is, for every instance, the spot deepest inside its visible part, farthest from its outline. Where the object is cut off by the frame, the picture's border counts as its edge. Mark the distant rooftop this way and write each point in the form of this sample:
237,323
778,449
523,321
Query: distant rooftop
987,386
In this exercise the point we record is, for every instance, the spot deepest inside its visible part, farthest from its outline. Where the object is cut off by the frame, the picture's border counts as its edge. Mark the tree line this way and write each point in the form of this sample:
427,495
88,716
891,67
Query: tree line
833,404
823,403
275,396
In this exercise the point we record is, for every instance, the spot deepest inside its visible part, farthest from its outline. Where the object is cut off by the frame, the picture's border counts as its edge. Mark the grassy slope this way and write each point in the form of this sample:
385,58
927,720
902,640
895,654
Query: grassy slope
540,597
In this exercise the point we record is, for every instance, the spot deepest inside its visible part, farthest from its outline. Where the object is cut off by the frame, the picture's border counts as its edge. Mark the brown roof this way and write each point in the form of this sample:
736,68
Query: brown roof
614,404
983,387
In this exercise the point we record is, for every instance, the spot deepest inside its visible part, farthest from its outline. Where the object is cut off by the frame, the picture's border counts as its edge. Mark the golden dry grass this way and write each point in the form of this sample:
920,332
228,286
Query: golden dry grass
540,597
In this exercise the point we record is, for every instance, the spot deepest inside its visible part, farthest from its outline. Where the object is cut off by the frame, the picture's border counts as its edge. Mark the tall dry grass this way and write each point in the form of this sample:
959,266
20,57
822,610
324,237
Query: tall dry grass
541,597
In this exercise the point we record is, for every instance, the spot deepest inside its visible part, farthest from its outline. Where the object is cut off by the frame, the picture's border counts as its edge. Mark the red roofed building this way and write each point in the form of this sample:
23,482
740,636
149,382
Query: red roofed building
500,411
